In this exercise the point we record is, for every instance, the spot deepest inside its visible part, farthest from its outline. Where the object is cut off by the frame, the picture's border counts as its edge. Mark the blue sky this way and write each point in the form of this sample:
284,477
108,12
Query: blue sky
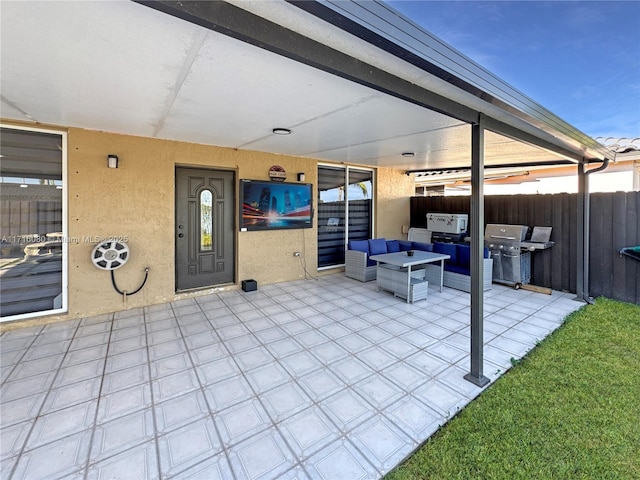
579,59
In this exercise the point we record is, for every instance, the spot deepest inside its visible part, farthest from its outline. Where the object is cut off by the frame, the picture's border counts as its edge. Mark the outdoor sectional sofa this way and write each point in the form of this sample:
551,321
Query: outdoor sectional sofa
457,272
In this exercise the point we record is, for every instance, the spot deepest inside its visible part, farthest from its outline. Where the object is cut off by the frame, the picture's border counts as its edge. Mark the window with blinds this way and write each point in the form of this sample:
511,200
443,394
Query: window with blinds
345,211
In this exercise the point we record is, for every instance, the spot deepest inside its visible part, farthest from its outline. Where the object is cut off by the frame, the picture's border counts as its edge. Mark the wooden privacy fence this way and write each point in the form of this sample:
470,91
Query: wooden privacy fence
614,224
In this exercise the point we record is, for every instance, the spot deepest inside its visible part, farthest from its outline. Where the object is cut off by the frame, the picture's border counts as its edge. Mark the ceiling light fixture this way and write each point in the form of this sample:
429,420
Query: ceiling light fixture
281,131
408,154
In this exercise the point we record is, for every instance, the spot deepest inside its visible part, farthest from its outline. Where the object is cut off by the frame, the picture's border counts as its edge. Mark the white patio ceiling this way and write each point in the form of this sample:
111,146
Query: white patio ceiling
124,67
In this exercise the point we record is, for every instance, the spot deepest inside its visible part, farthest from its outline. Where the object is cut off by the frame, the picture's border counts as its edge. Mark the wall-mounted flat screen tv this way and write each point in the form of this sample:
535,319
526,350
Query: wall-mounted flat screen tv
275,205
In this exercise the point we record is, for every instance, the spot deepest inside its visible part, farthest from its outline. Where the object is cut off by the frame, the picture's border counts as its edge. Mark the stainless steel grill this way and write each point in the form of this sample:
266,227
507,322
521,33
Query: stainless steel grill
511,265
510,252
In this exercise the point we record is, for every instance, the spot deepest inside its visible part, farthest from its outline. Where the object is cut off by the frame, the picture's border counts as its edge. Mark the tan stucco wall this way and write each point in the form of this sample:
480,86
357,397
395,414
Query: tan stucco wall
136,201
393,205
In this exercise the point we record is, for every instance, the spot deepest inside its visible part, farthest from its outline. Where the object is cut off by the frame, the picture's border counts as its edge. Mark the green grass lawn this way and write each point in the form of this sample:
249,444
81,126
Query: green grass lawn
570,409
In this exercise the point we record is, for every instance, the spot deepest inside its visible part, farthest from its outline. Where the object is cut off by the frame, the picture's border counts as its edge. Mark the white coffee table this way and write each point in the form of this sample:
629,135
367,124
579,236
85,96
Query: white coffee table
400,283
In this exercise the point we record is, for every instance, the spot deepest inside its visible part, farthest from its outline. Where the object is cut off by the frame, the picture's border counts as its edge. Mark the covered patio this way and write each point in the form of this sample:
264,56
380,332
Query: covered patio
317,378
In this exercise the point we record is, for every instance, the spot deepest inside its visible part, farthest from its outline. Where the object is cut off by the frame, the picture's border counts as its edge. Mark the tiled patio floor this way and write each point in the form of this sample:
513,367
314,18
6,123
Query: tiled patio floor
322,379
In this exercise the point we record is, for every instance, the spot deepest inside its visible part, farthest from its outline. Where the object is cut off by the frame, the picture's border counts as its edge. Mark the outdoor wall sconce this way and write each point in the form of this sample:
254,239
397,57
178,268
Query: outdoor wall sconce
301,177
112,161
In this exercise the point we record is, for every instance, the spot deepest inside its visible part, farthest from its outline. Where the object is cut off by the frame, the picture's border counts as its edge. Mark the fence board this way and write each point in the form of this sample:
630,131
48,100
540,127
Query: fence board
614,224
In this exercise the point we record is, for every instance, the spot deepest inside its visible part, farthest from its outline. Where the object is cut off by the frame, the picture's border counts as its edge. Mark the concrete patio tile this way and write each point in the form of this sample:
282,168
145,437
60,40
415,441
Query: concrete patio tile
61,423
65,458
284,347
405,376
37,351
397,347
262,456
267,377
378,391
227,393
289,382
242,343
91,339
382,443
126,378
284,401
321,384
217,370
124,402
351,370
174,385
137,462
356,324
170,365
338,461
374,334
128,344
319,320
122,434
26,387
453,377
497,356
353,343
34,367
395,327
215,467
347,409
13,438
441,398
20,410
179,411
447,352
270,335
516,349
300,363
414,418
328,353
187,446
308,431
241,421
254,358
207,353
121,361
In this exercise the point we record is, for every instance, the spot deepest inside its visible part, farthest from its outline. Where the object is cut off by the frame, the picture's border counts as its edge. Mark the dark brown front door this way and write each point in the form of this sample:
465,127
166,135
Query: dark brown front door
205,209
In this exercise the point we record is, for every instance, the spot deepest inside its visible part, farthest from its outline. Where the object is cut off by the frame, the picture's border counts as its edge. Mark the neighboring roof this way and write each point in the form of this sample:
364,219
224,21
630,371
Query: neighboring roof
355,81
620,145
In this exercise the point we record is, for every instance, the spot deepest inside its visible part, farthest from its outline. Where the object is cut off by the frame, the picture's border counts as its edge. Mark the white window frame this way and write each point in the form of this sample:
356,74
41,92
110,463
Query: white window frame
346,199
65,234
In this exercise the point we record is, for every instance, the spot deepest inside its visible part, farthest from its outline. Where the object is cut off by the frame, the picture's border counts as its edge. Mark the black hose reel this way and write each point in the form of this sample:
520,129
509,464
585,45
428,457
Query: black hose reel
111,255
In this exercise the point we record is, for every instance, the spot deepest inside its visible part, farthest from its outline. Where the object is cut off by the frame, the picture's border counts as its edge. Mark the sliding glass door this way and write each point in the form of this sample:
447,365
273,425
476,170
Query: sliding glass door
345,211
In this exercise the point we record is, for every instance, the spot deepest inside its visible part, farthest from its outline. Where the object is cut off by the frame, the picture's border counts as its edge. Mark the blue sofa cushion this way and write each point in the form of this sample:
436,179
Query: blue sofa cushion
446,249
377,246
393,246
405,245
463,254
360,245
457,268
425,247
